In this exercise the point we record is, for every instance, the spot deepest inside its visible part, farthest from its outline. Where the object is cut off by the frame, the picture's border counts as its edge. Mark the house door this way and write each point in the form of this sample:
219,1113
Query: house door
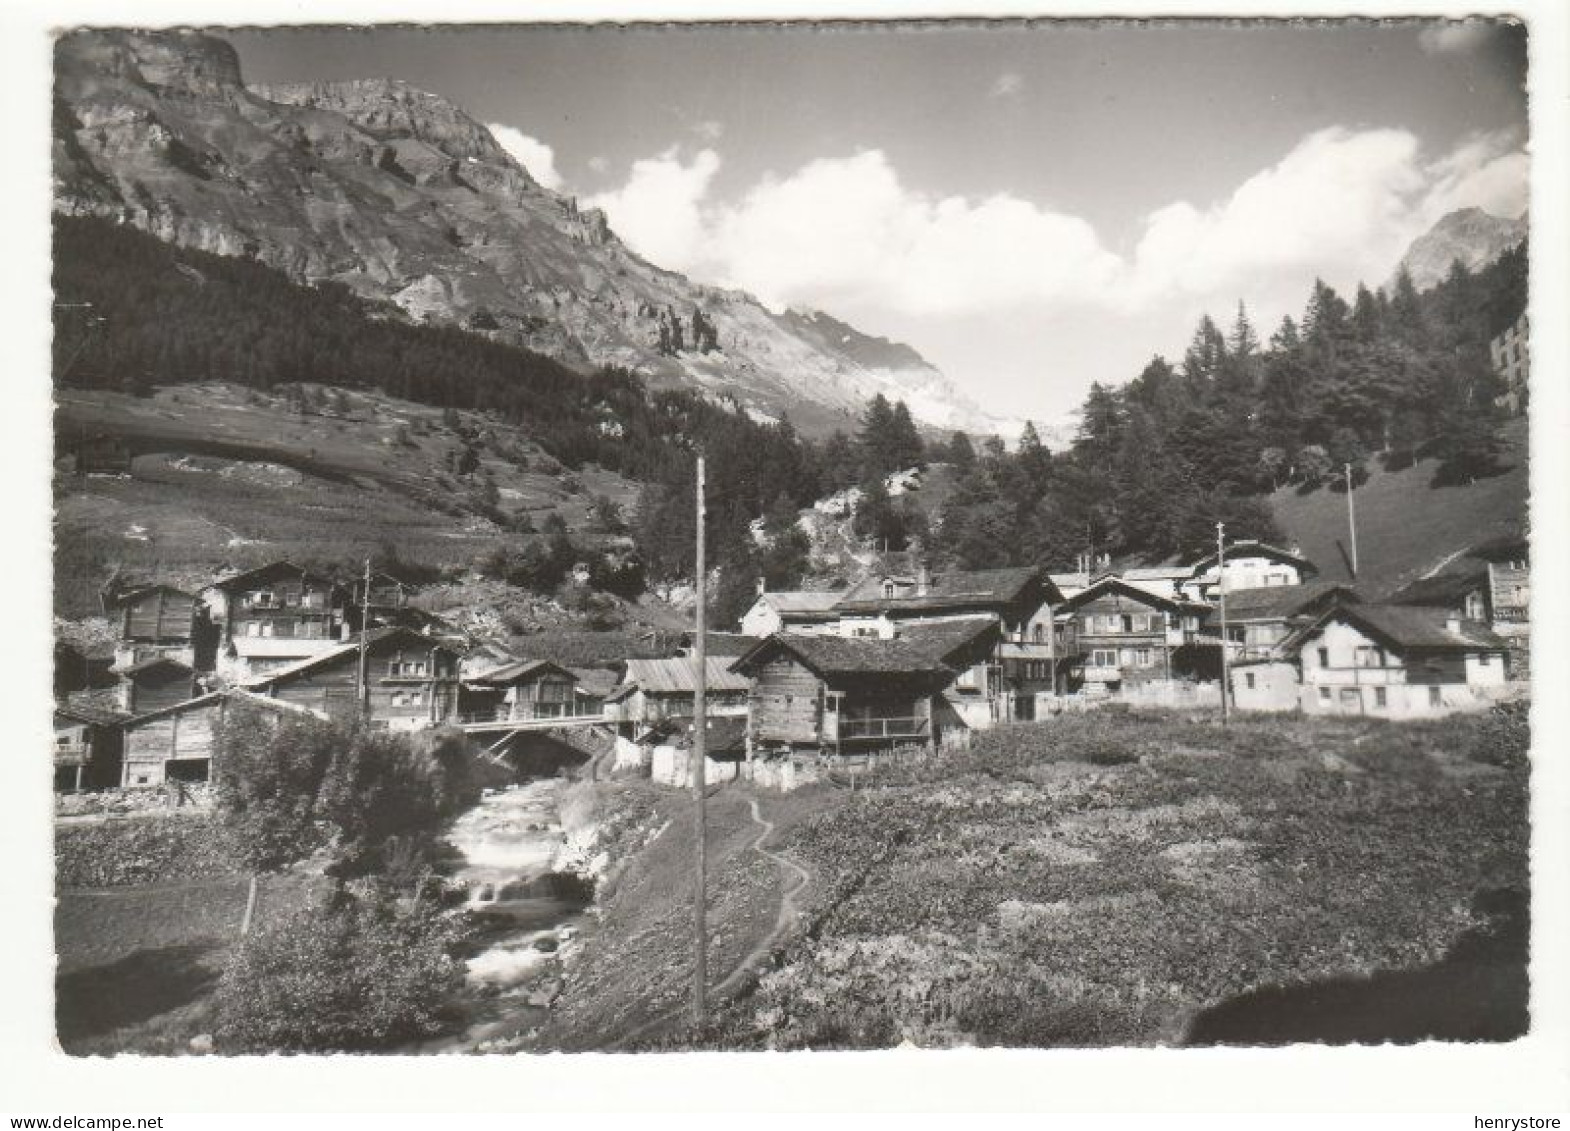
1351,700
1024,707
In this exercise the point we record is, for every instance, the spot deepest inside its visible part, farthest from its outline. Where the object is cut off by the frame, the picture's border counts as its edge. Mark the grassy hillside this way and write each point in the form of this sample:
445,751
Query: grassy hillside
222,475
1405,527
1136,878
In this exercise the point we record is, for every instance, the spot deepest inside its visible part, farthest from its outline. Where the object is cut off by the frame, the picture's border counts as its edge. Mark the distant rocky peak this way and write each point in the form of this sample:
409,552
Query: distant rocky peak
1473,236
390,109
164,60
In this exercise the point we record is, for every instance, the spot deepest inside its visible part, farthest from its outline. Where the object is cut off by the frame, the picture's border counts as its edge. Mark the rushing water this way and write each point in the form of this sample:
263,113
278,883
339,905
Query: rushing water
508,845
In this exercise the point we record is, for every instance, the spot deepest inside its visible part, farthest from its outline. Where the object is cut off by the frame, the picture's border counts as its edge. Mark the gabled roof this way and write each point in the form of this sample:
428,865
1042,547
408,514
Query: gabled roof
720,643
90,714
597,682
520,671
155,662
1443,589
1251,547
1278,602
802,603
677,676
919,649
260,575
126,596
1144,594
1404,627
373,638
958,589
211,698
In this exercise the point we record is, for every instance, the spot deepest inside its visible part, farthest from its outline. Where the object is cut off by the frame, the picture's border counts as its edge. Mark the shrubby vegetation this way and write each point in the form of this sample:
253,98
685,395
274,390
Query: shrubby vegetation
1101,879
292,785
357,969
355,972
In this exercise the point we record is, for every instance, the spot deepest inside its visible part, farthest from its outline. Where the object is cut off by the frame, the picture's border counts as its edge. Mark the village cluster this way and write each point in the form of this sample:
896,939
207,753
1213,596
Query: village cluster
904,657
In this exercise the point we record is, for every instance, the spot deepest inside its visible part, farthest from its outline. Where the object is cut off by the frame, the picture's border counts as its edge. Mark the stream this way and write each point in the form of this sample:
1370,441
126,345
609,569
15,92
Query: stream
508,847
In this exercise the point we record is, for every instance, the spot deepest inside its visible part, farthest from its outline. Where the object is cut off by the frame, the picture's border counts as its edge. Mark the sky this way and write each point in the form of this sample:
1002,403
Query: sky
1033,206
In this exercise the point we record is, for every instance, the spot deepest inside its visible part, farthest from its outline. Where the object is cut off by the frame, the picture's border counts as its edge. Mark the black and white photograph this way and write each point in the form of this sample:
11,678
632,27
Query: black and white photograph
742,536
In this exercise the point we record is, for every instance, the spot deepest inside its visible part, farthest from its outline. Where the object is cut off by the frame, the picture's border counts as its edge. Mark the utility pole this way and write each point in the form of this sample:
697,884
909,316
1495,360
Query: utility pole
365,625
1221,587
1351,516
700,933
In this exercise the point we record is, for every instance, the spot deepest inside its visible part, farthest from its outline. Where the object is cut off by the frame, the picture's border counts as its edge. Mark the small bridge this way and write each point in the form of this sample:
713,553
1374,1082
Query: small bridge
490,724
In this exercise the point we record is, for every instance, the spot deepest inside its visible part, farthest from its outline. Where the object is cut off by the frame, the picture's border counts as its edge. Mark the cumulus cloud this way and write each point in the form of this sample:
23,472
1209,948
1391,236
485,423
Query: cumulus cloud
849,232
658,210
1007,84
1453,37
534,155
848,227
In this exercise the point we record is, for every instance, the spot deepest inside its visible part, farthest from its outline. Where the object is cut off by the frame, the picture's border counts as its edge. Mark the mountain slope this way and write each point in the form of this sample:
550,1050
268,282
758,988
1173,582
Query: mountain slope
398,194
1473,236
1405,528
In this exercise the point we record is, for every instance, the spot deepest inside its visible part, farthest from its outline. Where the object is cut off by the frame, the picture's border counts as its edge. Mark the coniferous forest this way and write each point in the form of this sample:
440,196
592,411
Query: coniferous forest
1391,376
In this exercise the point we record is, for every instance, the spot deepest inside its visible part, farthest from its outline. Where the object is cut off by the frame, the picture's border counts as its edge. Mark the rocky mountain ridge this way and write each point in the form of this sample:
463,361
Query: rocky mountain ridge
403,197
1473,236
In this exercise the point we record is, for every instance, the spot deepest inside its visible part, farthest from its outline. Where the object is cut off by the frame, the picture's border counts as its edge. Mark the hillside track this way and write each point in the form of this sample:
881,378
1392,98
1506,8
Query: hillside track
786,920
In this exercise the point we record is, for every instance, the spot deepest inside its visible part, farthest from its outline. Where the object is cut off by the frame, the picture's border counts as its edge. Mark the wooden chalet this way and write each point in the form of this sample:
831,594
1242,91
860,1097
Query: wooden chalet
1250,564
410,681
1020,600
275,615
162,621
87,747
176,743
1260,620
1397,661
525,690
1491,583
833,694
654,691
1115,632
156,683
789,610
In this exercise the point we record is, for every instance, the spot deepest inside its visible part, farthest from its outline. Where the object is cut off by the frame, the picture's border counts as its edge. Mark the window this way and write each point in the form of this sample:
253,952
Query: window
1127,624
888,589
1324,693
1484,660
1142,656
1040,634
1324,660
1248,680
1379,696
1434,699
1104,658
1369,657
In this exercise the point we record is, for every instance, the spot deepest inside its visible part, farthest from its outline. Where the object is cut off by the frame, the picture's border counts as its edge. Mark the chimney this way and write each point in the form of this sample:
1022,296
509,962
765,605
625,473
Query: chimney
763,586
1453,624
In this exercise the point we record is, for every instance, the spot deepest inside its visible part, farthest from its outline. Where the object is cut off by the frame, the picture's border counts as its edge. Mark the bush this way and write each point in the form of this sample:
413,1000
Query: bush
1505,737
141,851
355,974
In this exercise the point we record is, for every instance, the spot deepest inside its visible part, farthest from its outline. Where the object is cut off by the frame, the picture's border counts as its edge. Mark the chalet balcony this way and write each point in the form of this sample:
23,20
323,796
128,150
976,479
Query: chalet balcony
851,730
71,753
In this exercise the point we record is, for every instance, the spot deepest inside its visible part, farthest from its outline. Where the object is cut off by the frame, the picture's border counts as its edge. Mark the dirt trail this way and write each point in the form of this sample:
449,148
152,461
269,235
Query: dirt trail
797,879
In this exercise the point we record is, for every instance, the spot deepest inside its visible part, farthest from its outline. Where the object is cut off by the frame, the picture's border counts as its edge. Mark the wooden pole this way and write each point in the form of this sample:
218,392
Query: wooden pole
365,626
250,906
1351,516
700,940
1221,587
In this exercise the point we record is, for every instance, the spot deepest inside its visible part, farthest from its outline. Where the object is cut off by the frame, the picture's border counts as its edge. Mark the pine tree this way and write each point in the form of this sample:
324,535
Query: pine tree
960,453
